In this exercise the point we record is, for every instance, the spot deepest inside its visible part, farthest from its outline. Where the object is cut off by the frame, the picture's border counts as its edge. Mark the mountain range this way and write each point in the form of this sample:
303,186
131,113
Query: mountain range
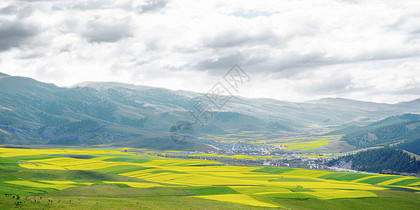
118,114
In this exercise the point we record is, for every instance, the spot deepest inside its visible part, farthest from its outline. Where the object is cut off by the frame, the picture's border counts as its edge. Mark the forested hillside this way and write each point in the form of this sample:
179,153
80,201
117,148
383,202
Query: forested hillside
383,160
403,130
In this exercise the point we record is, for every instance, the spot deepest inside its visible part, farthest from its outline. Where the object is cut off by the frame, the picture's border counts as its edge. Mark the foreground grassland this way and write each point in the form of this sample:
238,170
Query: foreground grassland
93,178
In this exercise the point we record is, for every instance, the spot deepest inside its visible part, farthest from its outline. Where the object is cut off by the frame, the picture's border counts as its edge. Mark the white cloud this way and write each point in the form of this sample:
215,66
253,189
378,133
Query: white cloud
293,50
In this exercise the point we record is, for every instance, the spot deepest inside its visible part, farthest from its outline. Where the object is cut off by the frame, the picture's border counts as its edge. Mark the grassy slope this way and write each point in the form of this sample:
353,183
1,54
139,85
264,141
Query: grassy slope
99,197
386,200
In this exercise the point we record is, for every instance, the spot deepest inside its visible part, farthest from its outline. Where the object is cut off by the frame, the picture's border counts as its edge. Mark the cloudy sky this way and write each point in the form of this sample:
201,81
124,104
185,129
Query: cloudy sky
292,50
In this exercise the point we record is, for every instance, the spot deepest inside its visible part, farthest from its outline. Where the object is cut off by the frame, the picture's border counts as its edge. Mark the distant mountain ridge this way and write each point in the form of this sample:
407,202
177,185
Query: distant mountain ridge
402,131
91,113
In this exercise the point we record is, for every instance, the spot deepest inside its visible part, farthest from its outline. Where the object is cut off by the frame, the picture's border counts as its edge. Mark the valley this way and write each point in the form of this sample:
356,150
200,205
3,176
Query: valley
113,145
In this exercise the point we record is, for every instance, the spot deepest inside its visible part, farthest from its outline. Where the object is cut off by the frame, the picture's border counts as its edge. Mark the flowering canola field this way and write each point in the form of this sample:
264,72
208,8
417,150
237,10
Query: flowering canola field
202,179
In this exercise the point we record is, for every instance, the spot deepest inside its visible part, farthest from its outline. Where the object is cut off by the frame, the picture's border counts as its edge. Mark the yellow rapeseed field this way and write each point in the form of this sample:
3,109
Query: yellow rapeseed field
338,193
41,185
238,198
252,184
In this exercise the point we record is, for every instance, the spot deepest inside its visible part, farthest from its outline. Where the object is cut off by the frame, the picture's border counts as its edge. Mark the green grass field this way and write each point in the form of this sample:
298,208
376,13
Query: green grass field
98,179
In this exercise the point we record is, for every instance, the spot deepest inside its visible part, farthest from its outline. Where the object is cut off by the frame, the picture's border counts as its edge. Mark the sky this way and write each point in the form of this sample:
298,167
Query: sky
292,50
